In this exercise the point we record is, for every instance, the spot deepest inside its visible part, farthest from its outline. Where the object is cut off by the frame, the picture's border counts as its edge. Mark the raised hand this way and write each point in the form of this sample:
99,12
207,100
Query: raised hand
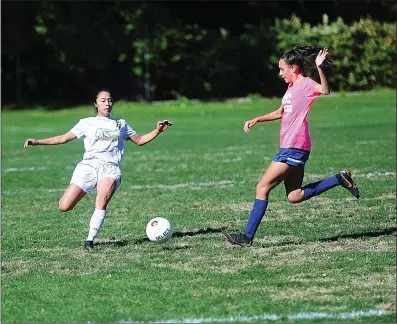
321,56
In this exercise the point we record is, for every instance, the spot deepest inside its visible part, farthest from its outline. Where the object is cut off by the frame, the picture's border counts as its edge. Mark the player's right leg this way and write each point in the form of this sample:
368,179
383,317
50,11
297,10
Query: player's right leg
83,181
293,184
343,178
346,181
71,197
273,176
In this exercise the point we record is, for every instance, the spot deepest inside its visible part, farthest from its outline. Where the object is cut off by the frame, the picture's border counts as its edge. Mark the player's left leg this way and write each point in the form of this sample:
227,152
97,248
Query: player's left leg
105,191
273,176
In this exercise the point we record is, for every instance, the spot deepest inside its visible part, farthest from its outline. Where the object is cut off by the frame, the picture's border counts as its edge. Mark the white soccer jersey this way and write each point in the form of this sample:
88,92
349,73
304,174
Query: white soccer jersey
103,138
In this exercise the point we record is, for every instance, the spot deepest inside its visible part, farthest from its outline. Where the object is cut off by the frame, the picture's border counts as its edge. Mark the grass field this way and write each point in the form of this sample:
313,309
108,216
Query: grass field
329,259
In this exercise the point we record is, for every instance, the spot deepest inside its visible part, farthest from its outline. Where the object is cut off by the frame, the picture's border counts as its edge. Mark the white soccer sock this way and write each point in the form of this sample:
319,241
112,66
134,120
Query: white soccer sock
97,219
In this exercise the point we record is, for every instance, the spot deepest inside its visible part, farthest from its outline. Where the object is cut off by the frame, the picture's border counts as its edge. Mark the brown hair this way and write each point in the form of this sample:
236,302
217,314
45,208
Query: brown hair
304,56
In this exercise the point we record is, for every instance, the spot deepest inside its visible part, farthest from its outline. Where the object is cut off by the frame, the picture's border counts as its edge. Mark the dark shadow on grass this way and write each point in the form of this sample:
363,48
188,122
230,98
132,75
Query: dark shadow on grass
113,242
375,233
174,248
141,241
199,232
188,233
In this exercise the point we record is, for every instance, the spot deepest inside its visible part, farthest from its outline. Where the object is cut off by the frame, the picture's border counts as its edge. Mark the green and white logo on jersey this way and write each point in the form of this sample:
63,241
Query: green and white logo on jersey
103,134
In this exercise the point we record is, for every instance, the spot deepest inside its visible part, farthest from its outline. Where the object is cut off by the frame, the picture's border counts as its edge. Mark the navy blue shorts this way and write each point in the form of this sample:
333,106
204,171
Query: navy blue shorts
292,156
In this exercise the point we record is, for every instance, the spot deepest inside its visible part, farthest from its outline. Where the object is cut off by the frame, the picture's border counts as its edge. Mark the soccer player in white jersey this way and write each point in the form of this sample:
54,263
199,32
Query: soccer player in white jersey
100,167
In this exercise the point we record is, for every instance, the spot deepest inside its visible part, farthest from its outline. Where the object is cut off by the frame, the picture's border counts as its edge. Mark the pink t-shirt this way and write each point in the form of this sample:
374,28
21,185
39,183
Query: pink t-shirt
298,98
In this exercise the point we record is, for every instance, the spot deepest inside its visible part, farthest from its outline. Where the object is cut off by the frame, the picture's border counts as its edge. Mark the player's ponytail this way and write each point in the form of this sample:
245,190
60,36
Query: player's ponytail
304,57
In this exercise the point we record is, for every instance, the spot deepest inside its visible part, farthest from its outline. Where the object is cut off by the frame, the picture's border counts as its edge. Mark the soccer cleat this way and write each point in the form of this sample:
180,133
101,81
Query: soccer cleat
239,239
346,181
89,246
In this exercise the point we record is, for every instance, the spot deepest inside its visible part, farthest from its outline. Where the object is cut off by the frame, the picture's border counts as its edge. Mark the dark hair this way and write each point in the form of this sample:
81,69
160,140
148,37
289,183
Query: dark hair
304,56
96,96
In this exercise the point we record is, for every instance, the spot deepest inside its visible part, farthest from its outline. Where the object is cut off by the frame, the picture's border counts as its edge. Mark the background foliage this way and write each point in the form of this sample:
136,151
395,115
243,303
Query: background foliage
58,53
363,53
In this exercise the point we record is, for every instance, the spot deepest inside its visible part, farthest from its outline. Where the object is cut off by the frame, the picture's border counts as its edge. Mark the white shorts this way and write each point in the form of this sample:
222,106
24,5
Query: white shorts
88,174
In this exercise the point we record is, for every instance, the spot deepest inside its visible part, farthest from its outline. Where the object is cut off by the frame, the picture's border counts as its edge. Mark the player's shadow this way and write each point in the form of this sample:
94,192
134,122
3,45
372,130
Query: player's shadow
375,233
111,241
203,231
199,232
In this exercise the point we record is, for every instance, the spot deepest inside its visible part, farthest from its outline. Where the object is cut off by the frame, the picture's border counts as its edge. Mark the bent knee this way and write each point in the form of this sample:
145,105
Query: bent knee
64,207
296,197
293,201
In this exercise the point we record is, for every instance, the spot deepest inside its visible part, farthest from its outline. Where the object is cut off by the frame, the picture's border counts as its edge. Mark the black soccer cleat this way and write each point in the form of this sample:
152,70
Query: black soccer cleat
89,246
239,239
346,181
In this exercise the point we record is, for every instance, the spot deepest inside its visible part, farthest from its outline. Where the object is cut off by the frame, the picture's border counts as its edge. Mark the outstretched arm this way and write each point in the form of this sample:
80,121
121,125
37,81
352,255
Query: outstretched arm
323,87
144,139
60,139
274,115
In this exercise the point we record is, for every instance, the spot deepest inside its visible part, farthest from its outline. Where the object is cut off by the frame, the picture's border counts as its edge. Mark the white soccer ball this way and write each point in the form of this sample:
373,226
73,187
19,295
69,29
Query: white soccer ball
159,230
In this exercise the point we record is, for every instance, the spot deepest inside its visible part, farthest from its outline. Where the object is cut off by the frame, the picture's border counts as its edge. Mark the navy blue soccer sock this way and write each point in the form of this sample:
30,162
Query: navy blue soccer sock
316,188
256,215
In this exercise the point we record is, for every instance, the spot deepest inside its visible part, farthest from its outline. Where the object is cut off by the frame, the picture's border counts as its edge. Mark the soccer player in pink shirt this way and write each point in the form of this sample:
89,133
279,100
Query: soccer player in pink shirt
295,143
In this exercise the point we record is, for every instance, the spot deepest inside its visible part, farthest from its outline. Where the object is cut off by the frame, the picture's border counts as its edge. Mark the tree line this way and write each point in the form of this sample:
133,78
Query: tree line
58,53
